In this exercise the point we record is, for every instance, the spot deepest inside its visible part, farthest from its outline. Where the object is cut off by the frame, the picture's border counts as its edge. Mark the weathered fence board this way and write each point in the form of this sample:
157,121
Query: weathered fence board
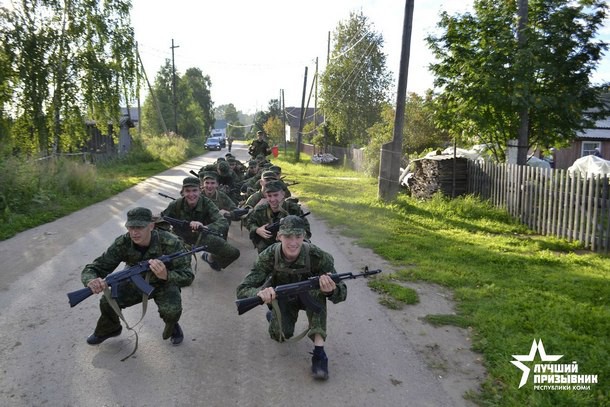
550,202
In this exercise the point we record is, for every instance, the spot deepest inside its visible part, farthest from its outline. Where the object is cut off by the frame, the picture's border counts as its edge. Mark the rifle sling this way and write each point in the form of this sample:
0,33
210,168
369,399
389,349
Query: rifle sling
115,306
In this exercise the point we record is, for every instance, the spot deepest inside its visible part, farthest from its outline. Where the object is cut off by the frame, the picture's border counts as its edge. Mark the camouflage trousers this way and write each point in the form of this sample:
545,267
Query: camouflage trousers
167,298
290,313
224,254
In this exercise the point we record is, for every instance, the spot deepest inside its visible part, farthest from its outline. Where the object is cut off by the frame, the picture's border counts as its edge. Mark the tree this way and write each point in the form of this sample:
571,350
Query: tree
69,61
274,129
485,78
260,118
419,132
355,84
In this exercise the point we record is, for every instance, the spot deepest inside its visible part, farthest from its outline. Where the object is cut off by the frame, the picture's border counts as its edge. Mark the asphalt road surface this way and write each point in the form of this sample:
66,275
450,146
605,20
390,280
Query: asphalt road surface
225,359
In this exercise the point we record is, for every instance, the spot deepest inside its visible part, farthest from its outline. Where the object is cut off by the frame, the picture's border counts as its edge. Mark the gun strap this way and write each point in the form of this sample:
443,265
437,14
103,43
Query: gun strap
278,314
117,309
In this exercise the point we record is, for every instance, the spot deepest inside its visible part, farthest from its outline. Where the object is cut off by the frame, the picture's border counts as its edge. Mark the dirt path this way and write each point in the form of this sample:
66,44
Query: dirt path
378,357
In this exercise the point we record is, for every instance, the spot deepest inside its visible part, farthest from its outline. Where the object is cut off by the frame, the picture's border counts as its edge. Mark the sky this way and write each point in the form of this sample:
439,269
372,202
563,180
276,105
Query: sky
253,49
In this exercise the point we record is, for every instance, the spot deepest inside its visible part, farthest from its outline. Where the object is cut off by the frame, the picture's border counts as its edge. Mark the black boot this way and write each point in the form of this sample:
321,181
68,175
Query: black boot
319,365
177,335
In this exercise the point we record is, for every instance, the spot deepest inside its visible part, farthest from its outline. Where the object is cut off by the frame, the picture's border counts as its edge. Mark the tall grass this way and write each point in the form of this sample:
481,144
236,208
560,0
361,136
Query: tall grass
36,192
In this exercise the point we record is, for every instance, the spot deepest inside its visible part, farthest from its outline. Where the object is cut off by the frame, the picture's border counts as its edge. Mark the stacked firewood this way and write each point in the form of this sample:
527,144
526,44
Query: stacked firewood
435,173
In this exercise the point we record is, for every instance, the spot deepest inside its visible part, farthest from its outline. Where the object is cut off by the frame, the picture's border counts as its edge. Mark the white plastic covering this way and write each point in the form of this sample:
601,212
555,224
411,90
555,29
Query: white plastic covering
590,165
538,162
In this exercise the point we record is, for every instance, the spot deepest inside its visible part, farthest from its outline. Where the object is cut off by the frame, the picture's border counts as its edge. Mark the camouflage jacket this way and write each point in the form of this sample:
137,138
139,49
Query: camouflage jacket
222,201
259,147
123,249
205,212
262,215
264,267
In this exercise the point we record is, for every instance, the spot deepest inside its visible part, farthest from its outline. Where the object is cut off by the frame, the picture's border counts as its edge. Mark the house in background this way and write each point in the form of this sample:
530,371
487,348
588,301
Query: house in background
293,120
586,142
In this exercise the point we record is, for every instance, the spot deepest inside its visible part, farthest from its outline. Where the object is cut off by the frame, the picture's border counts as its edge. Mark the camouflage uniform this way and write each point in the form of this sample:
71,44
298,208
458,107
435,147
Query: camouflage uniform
206,212
259,147
312,261
222,201
262,215
166,294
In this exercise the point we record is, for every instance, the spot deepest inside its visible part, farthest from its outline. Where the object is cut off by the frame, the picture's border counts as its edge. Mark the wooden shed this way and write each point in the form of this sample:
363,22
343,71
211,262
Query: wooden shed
442,173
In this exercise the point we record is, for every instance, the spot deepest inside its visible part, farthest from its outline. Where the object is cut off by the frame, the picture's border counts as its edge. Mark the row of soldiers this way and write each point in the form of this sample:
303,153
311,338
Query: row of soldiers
253,194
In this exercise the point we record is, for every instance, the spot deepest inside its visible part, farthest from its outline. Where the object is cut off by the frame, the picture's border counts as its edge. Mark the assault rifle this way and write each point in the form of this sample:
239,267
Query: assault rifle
300,289
167,196
274,227
194,173
133,274
186,225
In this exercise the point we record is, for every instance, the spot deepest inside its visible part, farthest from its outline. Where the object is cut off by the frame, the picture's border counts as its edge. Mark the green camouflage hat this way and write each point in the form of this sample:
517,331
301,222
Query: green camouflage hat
209,175
190,182
276,169
292,225
223,167
138,217
269,175
273,186
252,163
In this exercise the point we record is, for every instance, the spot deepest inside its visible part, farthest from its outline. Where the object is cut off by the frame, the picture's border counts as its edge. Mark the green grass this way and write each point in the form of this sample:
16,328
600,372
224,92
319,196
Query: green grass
511,286
36,192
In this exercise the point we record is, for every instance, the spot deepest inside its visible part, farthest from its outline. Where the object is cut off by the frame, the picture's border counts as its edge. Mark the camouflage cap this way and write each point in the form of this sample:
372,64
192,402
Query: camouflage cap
259,133
273,186
276,169
209,175
190,182
223,167
292,225
269,175
252,163
220,159
138,217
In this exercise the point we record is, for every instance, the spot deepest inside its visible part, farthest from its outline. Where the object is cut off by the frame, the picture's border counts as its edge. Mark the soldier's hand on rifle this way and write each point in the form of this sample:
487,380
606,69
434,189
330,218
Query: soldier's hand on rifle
195,225
327,285
97,285
267,295
158,268
264,233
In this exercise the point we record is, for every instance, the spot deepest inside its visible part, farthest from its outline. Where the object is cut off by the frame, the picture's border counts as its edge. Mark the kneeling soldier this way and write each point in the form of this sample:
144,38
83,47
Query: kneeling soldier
290,261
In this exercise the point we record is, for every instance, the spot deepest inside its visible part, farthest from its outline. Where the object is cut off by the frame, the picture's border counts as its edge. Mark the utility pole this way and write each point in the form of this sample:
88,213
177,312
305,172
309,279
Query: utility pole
391,153
302,119
174,87
283,107
524,113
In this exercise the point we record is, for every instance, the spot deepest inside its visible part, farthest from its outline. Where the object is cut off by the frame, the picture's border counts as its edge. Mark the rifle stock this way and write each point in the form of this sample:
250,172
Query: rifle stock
133,274
286,290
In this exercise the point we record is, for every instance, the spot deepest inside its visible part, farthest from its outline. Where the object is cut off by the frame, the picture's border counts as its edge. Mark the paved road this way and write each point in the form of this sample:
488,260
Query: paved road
225,360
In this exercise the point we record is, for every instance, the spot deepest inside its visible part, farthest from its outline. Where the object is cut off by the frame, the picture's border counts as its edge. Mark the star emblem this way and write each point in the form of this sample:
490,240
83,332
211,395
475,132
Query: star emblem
530,358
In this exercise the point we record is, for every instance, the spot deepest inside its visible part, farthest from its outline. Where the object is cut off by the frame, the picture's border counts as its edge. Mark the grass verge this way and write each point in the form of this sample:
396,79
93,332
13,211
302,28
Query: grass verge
511,286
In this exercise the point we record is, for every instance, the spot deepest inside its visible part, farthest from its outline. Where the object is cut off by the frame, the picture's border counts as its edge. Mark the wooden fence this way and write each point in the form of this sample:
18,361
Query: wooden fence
551,202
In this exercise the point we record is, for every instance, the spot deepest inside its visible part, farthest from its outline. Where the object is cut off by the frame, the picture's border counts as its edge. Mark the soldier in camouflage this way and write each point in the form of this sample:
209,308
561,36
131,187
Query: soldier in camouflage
210,190
289,261
202,214
271,211
141,242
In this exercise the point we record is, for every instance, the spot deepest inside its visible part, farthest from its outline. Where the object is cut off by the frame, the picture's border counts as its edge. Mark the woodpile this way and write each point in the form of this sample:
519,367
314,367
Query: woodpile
432,174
